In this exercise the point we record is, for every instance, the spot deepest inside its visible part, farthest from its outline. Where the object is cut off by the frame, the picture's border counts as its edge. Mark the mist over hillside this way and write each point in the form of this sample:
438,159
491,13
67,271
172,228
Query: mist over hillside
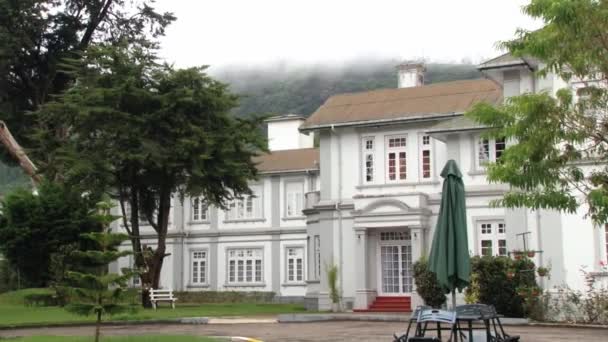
281,88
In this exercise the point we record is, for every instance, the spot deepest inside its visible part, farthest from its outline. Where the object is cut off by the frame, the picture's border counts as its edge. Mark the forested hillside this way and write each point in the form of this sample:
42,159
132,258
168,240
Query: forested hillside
302,89
283,88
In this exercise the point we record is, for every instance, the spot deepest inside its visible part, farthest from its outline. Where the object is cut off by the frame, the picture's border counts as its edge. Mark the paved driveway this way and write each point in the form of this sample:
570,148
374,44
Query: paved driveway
329,331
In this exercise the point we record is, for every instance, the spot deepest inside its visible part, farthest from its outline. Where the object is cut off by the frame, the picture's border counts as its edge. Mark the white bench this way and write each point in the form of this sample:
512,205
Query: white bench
157,295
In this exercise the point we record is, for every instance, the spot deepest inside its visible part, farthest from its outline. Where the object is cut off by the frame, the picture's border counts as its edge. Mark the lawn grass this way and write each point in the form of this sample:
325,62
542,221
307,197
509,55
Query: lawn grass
144,338
14,312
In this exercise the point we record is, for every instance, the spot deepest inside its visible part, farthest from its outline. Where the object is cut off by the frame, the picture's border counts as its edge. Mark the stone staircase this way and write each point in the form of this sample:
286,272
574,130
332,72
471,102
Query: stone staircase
390,304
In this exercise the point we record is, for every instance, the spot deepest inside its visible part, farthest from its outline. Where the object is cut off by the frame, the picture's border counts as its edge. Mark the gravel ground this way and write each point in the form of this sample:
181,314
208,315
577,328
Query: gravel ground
327,331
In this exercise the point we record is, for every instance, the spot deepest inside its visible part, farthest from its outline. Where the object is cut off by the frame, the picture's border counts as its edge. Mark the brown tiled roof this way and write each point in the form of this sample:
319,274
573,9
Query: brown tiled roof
289,160
405,103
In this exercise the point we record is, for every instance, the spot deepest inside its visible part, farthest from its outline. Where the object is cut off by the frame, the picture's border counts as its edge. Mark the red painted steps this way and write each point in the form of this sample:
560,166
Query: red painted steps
390,304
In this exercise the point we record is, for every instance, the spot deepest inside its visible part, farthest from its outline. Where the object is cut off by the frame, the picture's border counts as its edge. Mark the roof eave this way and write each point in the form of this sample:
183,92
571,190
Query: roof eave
381,122
274,172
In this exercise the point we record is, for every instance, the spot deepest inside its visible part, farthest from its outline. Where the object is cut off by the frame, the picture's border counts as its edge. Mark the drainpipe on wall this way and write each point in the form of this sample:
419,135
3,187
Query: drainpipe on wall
183,226
338,205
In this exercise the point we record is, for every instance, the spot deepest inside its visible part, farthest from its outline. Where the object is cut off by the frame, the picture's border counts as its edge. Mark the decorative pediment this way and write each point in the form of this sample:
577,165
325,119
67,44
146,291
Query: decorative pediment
384,206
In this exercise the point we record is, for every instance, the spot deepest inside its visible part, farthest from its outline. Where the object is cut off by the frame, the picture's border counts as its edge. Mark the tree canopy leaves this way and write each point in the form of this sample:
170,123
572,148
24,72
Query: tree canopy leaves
34,227
144,133
558,142
38,36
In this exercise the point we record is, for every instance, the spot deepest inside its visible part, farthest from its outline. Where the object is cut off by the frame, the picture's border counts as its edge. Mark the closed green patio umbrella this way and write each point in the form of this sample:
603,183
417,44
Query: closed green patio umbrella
449,258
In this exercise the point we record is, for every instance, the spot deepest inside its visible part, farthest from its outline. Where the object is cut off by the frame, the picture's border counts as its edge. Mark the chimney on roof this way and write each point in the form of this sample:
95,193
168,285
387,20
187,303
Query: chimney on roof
283,133
410,74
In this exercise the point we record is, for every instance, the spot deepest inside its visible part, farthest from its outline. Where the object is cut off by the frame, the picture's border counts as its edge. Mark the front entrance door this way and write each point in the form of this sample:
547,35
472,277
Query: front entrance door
395,263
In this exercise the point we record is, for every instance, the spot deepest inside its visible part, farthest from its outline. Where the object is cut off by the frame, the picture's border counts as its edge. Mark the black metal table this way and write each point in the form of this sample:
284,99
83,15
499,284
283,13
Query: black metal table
469,319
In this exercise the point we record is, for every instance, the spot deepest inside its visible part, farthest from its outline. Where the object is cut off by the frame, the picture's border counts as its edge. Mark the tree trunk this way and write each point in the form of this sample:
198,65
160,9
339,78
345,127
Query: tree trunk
155,263
18,153
98,326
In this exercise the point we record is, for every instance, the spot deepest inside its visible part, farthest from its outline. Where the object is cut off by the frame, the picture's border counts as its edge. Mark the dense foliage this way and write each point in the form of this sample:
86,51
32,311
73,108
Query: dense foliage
427,285
36,228
301,89
96,291
502,282
38,36
293,91
558,144
144,133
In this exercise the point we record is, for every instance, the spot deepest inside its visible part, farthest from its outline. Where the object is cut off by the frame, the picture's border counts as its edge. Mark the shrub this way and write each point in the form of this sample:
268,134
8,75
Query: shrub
8,277
202,297
499,281
427,286
332,279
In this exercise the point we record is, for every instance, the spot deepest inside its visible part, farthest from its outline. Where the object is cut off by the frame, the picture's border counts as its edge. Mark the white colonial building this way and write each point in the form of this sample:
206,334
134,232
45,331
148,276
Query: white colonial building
367,199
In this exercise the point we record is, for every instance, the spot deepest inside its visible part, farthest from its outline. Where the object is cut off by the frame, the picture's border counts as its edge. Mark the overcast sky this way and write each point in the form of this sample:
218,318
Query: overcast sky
251,32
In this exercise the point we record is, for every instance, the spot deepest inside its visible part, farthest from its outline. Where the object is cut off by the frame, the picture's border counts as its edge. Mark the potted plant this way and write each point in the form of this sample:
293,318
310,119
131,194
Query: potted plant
334,292
517,255
531,254
522,292
542,271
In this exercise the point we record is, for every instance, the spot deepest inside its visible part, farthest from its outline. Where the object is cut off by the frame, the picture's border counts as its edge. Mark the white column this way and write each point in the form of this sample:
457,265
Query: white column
417,234
364,296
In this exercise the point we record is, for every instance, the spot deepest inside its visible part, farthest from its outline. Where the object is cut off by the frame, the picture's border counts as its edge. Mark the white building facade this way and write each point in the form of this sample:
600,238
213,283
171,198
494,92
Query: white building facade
260,242
381,154
367,199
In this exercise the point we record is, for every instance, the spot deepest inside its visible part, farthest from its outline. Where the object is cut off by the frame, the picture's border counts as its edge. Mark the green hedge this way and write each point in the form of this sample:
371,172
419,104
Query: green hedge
201,297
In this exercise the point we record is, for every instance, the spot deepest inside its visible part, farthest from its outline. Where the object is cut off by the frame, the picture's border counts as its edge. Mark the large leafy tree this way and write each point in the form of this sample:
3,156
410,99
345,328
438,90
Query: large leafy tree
559,148
36,228
38,36
149,134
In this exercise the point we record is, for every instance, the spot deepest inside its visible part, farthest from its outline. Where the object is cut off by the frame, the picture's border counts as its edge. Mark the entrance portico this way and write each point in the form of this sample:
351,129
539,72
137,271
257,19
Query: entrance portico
390,237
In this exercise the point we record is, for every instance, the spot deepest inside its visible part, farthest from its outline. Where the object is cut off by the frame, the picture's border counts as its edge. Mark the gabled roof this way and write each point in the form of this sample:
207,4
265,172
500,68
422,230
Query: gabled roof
303,159
389,105
507,60
456,124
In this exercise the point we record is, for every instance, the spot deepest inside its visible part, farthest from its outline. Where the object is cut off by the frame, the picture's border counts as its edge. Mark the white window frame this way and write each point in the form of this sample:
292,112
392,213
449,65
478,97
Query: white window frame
423,148
491,155
199,212
247,207
291,264
197,281
493,231
368,159
294,199
238,276
317,257
397,150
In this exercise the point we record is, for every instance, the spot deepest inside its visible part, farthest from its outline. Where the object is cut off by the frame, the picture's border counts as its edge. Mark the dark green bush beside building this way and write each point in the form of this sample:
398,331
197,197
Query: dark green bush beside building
427,286
498,281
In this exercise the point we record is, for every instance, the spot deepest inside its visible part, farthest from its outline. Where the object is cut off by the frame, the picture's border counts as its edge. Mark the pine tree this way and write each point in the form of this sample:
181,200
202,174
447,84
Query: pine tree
94,290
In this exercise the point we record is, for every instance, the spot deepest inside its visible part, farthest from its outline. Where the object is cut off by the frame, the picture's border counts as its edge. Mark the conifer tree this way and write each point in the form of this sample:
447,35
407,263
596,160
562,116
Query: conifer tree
95,291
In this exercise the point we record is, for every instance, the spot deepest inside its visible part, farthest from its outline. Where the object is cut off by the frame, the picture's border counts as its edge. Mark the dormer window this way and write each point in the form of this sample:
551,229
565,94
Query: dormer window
396,158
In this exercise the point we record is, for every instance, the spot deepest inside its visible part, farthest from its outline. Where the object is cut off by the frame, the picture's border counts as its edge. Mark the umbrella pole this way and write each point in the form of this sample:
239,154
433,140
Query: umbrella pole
453,299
